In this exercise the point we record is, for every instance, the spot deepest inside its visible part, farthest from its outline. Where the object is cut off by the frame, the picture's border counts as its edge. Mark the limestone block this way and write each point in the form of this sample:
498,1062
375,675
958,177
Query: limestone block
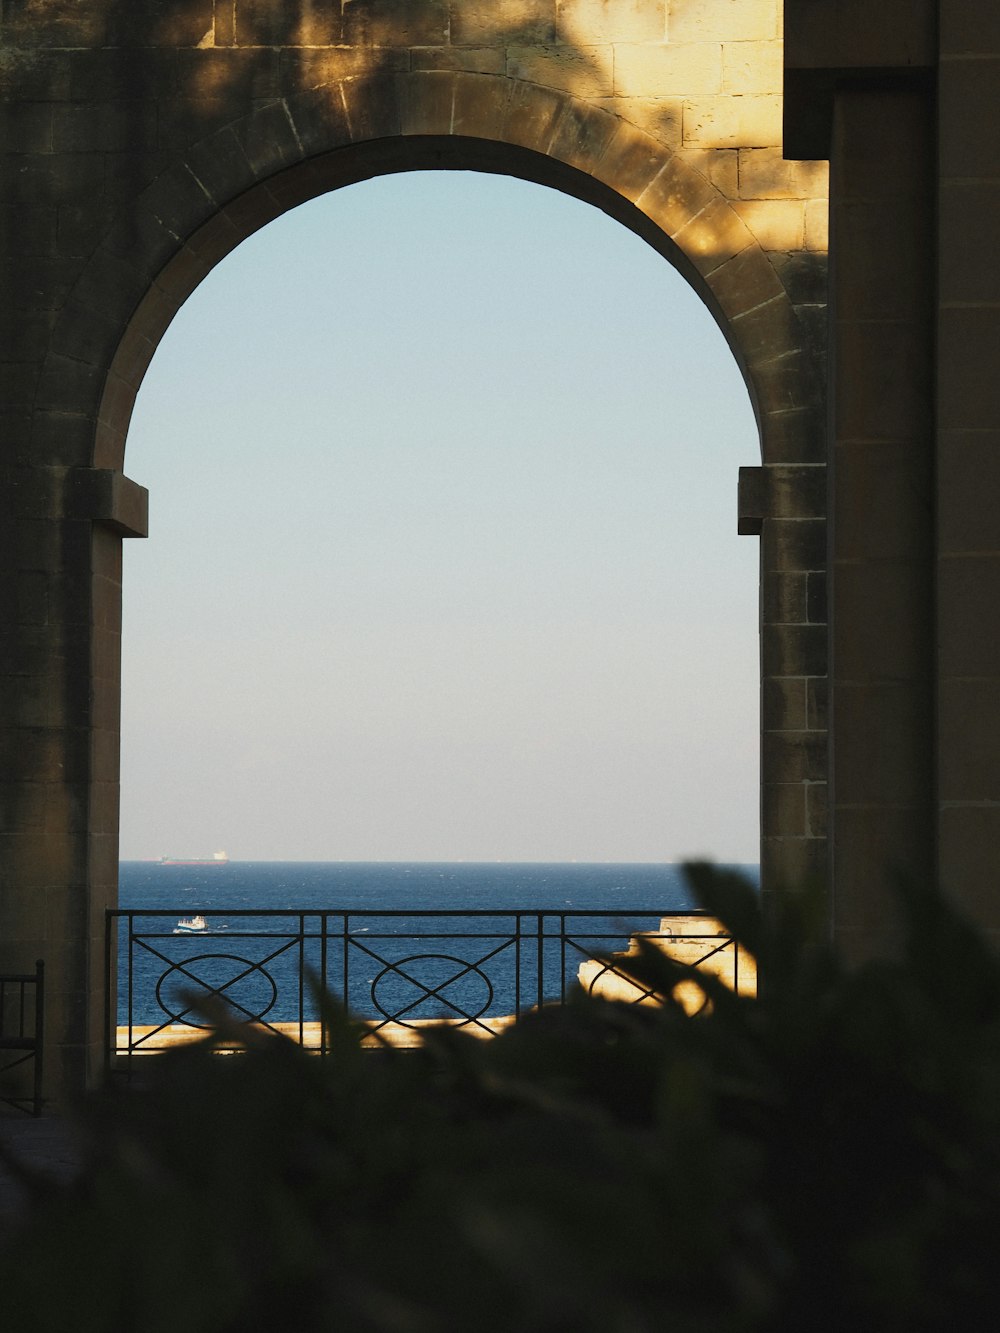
145,24
235,74
969,727
967,385
17,428
394,22
320,118
880,740
970,209
803,275
765,332
481,105
314,67
817,219
35,283
220,165
581,72
745,282
882,362
887,643
793,543
104,127
817,809
783,809
100,75
468,59
582,135
794,756
968,625
968,26
426,102
776,224
783,703
267,137
752,67
783,597
182,121
18,380
593,22
660,117
817,703
279,23
531,116
793,650
765,174
715,235
487,23
224,24
968,474
631,162
26,127
817,601
723,20
55,23
667,69
732,122
969,851
720,165
675,196
53,177
968,93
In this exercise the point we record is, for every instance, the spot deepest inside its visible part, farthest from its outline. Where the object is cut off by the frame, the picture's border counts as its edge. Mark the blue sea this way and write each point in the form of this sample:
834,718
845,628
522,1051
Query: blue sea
399,942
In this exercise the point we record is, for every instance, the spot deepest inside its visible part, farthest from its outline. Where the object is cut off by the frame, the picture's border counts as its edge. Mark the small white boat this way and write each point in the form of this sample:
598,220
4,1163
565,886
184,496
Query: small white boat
190,925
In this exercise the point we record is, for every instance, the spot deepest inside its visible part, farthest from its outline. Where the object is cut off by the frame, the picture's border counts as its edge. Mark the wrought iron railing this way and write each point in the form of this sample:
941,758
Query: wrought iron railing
396,971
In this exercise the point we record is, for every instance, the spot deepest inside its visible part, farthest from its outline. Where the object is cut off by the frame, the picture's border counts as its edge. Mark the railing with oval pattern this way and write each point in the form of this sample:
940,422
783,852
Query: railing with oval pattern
171,978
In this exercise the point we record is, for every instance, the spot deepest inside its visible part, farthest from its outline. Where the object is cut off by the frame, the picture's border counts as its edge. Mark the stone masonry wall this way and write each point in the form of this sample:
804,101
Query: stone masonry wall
140,140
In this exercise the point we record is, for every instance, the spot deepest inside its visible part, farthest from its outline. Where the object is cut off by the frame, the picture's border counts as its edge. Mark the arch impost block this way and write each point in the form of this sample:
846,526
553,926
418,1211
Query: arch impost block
107,496
780,490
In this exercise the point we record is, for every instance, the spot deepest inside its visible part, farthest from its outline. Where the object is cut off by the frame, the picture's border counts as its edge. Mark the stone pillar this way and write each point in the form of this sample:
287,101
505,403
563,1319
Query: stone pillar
881,479
859,90
785,503
968,460
60,584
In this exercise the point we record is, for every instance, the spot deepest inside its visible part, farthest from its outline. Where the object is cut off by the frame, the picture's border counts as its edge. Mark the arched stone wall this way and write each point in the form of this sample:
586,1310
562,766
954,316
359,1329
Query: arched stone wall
173,131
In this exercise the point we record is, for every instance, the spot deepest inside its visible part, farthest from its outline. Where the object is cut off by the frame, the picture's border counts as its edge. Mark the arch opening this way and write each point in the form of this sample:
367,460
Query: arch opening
545,689
667,205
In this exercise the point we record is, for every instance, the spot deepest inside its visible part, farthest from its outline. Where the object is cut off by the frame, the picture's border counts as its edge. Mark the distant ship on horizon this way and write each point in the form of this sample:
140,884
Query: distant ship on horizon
217,859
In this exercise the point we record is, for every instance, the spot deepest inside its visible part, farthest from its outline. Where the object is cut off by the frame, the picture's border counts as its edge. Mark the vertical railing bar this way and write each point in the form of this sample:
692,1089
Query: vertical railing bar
518,965
39,1031
131,962
302,977
107,992
562,959
323,928
540,924
345,959
736,967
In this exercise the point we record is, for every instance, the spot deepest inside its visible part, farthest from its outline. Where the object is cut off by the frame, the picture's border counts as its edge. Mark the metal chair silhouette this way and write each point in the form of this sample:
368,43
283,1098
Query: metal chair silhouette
22,1029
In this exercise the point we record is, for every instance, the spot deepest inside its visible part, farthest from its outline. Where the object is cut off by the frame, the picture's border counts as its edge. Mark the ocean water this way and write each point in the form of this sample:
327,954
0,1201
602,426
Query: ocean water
396,942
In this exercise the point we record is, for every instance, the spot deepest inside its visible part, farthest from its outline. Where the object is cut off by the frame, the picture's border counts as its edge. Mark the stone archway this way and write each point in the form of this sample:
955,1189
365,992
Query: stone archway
240,161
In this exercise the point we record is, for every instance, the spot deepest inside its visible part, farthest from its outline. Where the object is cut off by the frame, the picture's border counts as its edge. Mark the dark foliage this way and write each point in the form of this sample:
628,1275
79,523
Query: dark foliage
824,1156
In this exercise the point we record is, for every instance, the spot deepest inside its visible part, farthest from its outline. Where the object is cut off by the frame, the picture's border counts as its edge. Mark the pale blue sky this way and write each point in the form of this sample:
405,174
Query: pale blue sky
443,559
